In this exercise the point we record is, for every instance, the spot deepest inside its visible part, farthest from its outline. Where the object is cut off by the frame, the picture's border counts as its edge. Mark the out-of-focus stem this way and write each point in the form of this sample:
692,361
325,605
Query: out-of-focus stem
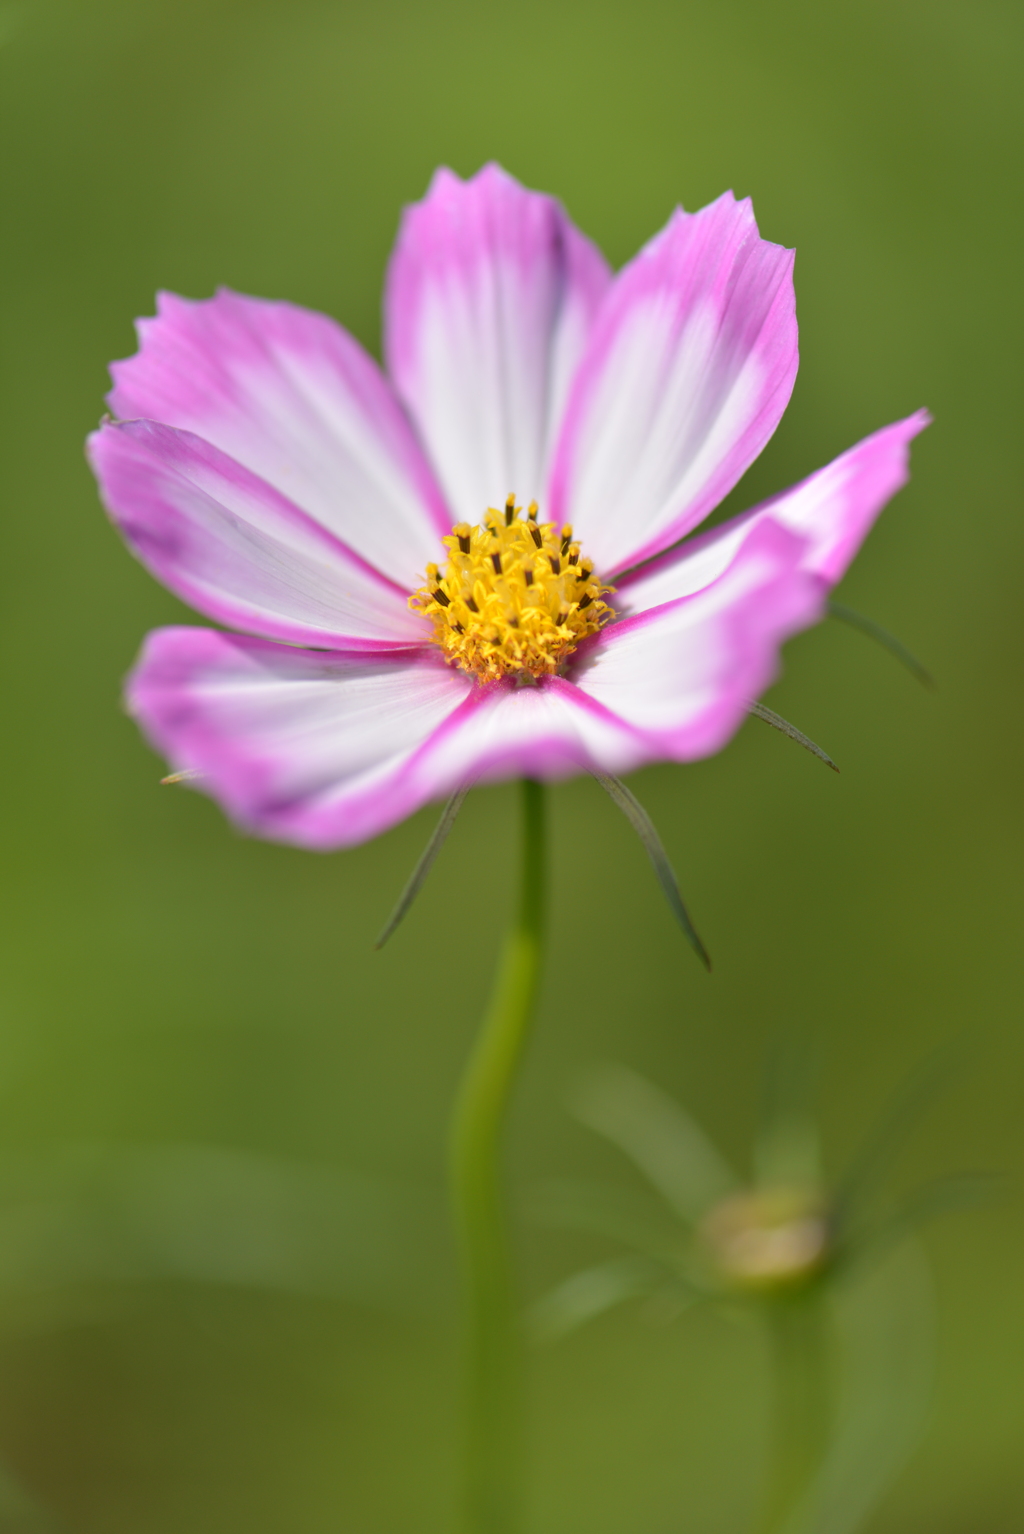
800,1406
493,1417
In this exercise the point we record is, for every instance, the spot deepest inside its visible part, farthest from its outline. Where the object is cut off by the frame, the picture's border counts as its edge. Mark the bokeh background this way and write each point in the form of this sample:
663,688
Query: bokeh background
225,1275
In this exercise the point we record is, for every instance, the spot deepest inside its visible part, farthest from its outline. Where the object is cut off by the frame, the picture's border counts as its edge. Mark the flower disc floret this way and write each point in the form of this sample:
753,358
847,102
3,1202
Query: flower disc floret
515,597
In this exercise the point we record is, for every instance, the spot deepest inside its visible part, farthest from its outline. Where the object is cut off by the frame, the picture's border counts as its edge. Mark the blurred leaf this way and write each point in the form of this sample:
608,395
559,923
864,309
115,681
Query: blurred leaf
886,1331
20,1513
786,1148
659,1136
590,1293
945,1195
888,1135
209,1215
599,1209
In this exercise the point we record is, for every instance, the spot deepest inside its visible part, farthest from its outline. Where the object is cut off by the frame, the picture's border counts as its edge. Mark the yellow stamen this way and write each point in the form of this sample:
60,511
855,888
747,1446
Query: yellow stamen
514,597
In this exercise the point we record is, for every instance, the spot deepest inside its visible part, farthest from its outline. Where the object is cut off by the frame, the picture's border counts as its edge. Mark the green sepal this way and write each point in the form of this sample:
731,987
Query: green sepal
419,874
882,636
644,828
784,727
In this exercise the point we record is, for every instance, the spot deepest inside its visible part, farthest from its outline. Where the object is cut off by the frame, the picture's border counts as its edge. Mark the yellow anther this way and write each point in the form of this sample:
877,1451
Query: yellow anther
498,608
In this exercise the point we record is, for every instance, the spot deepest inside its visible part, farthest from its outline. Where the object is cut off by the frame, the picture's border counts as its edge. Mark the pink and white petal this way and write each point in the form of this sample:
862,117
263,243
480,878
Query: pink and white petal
832,510
689,368
490,297
296,745
232,546
684,674
551,730
294,398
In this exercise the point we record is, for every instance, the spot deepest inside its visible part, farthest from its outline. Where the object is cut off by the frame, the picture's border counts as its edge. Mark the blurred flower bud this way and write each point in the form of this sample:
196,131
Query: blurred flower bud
767,1238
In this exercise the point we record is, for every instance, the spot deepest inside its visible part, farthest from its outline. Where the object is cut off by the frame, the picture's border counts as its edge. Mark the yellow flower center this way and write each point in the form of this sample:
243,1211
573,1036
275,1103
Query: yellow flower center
514,599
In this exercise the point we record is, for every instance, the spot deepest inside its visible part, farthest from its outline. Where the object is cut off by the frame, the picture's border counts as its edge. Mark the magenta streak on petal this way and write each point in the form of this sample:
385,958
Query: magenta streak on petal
836,507
325,749
291,396
627,702
833,510
545,731
690,366
295,745
579,698
684,673
491,293
228,543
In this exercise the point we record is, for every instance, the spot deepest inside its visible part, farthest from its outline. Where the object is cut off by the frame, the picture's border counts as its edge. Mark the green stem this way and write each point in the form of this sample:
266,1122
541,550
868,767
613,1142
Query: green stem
801,1407
493,1428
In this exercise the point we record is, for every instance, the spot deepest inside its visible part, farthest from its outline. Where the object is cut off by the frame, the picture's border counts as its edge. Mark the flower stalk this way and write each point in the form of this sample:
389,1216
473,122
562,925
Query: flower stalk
493,1434
801,1407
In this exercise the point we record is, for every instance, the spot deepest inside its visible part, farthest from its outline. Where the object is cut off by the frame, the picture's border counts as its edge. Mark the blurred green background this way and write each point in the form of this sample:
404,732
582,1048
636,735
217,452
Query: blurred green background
202,1060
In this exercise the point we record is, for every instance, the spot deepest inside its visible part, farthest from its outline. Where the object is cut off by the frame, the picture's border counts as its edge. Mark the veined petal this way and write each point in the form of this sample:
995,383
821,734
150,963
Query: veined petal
490,297
689,368
684,674
232,546
296,745
832,510
548,730
294,398
325,748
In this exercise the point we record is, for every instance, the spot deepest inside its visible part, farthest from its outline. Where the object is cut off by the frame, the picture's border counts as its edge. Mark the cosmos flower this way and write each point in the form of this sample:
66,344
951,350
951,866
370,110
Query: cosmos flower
476,565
